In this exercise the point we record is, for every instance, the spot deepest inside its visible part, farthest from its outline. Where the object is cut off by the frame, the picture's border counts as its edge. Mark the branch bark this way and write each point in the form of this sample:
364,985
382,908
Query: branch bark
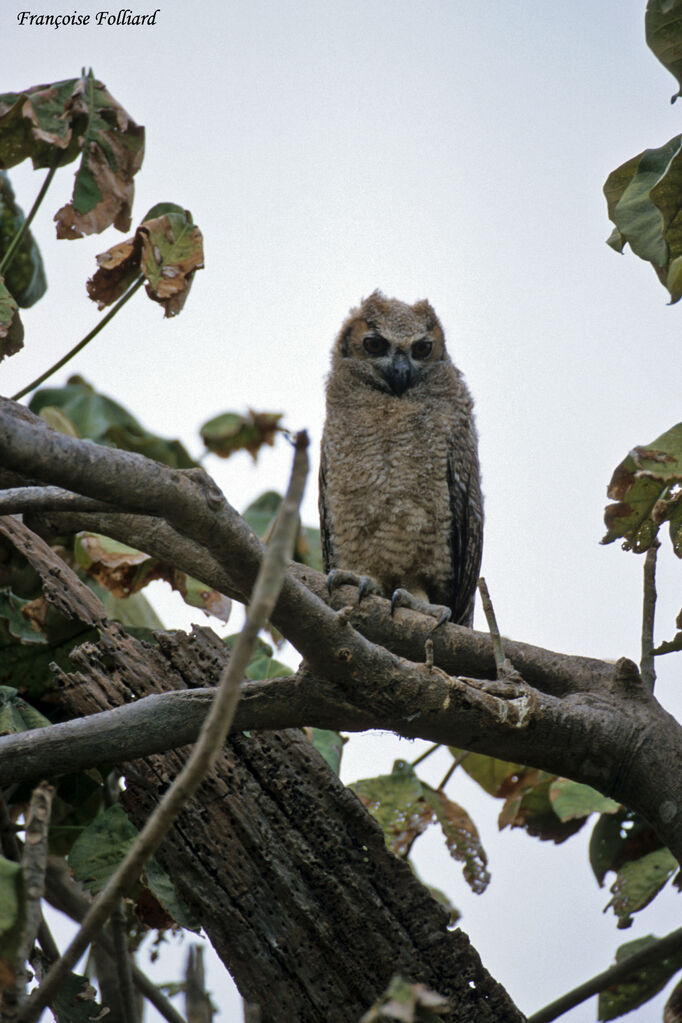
578,717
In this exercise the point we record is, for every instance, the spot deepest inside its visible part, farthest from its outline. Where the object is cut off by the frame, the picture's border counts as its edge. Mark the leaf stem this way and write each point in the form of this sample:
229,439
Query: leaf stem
81,344
426,753
13,247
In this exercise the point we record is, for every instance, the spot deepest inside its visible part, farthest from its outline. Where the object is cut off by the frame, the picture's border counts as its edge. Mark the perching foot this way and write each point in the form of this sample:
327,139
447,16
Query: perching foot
366,585
403,598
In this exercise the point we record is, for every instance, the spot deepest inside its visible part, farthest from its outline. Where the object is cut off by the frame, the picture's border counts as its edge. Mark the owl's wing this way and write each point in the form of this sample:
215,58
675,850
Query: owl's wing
325,523
466,533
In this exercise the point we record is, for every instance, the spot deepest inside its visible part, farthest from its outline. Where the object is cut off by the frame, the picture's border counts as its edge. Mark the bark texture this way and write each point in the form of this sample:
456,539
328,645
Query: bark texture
286,870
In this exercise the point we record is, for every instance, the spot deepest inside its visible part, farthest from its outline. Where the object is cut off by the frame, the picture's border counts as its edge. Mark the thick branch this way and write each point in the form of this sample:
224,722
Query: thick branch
204,753
578,717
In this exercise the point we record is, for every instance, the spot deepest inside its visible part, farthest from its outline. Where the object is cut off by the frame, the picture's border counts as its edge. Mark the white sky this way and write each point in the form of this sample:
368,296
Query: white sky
436,149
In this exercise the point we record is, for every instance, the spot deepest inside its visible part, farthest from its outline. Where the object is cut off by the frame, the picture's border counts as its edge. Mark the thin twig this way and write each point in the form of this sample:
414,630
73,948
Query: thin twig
81,344
498,649
198,1008
13,247
216,726
34,862
646,665
125,993
615,974
65,896
128,999
11,850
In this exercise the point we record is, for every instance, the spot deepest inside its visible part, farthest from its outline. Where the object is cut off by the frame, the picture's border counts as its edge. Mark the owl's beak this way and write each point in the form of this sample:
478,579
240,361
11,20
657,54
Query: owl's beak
399,373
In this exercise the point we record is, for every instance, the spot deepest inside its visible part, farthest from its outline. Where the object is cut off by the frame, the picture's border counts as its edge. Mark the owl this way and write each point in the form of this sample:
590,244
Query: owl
401,510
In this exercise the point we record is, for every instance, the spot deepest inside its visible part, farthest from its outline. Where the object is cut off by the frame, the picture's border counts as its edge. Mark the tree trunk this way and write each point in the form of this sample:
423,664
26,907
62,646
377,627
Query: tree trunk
287,872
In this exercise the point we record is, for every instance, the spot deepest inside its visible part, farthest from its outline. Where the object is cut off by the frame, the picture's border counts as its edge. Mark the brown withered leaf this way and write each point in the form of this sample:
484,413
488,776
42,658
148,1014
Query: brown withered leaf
461,838
124,571
167,249
119,266
112,153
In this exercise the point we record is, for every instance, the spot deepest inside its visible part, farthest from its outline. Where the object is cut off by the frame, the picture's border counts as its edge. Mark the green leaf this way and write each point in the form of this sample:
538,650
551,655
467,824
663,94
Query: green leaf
99,849
527,805
570,799
261,513
330,745
16,715
261,663
12,907
493,775
135,612
172,251
397,803
76,803
25,276
646,486
163,889
27,668
646,982
644,200
639,881
13,624
40,124
260,517
619,838
230,432
11,327
663,26
76,1001
103,420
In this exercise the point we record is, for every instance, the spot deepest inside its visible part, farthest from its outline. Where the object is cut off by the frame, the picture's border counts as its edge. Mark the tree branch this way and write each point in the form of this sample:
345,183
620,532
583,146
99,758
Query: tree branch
616,974
203,755
591,720
64,894
647,669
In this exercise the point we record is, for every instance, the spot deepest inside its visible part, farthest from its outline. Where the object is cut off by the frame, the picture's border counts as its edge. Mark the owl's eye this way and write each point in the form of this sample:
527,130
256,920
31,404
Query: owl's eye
422,349
374,344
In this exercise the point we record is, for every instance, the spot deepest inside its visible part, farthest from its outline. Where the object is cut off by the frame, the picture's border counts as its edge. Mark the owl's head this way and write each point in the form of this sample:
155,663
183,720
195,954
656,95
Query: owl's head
394,345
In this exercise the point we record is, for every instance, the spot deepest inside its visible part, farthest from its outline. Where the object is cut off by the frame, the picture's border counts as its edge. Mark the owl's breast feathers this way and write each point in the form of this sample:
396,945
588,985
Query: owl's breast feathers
400,495
385,494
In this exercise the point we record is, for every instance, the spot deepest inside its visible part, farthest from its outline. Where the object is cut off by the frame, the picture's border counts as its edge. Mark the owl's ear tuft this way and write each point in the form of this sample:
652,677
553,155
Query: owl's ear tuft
425,309
374,307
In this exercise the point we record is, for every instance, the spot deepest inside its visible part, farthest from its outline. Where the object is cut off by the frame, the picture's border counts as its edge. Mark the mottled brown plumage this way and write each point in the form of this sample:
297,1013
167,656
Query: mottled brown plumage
400,494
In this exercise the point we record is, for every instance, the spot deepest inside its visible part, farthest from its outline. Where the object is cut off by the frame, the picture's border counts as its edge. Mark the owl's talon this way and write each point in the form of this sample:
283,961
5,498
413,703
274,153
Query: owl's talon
444,617
366,585
403,598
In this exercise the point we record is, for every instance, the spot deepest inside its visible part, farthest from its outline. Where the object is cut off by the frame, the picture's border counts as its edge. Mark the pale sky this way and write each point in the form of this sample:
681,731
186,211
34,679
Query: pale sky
435,149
